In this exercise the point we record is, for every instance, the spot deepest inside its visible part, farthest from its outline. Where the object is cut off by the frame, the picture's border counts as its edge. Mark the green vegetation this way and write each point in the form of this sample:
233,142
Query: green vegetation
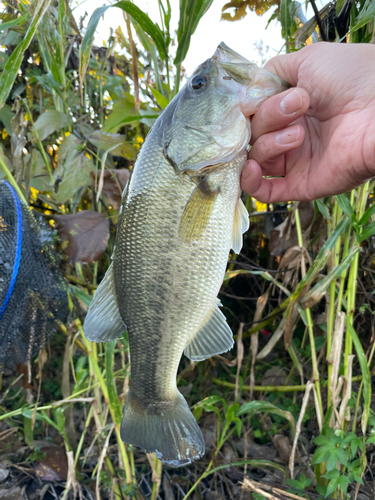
73,117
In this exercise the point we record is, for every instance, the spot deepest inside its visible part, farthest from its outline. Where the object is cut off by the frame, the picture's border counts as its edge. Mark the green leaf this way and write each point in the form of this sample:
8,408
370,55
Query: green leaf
147,25
191,13
81,295
332,485
144,21
365,377
6,116
318,291
366,15
20,21
345,205
112,393
320,455
331,474
367,232
253,407
13,64
160,99
367,215
49,122
114,143
323,209
85,48
73,167
134,118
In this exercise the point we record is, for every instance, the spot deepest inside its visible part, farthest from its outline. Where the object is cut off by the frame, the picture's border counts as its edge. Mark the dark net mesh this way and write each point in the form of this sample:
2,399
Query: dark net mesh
33,296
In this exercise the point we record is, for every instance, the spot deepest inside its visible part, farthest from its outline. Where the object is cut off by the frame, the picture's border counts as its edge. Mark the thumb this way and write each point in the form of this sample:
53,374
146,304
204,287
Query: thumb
286,66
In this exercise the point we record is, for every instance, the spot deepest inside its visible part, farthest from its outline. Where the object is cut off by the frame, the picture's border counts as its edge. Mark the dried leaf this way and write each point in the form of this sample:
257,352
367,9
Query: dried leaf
114,183
85,235
54,466
284,236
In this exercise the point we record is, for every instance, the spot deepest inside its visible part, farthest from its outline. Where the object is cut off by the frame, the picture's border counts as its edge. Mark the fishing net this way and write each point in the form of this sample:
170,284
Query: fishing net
33,297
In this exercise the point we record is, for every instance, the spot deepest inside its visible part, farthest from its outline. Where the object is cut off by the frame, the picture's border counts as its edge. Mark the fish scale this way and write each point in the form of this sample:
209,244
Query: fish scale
181,213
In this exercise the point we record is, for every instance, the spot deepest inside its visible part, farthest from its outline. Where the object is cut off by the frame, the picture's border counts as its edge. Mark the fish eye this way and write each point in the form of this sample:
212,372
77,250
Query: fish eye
198,82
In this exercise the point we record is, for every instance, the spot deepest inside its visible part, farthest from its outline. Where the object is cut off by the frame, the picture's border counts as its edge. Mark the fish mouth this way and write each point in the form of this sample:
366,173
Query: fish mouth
240,76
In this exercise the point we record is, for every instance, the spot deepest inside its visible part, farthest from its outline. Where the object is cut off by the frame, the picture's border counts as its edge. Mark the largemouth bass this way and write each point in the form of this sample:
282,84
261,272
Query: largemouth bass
181,214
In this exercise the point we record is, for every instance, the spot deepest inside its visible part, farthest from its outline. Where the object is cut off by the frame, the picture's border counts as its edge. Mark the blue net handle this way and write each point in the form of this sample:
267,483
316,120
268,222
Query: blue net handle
18,250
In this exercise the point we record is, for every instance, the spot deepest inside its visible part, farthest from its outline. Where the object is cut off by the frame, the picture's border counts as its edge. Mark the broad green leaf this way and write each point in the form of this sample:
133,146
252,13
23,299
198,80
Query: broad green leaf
133,119
13,64
366,15
345,205
6,116
114,401
114,143
49,122
41,179
160,99
73,167
121,108
263,406
332,485
366,378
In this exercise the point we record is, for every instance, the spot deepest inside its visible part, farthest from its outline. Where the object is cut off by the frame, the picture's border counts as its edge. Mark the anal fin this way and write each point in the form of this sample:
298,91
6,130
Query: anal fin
103,321
240,226
214,337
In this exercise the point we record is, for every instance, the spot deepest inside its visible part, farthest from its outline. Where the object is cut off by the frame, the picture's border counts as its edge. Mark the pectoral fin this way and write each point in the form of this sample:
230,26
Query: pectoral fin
213,338
103,321
197,212
240,225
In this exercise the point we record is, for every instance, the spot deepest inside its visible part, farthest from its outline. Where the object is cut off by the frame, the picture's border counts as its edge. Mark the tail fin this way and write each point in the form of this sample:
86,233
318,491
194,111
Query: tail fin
167,428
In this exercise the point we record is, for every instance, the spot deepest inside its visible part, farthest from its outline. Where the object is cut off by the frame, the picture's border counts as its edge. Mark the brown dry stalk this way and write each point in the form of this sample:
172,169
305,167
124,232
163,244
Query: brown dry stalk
305,401
240,353
101,460
255,487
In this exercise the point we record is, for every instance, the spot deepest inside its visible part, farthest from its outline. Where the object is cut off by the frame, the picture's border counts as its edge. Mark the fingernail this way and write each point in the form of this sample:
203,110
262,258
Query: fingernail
288,136
246,171
291,103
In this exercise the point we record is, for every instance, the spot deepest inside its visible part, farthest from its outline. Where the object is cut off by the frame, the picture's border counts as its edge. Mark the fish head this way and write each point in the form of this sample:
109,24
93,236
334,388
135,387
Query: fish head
207,123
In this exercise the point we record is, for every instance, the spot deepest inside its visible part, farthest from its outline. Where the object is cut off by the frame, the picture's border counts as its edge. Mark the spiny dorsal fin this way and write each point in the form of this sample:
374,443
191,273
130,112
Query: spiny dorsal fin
214,337
240,226
103,321
197,211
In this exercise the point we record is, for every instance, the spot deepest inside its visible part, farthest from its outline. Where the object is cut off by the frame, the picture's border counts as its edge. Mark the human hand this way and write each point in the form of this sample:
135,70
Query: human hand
321,138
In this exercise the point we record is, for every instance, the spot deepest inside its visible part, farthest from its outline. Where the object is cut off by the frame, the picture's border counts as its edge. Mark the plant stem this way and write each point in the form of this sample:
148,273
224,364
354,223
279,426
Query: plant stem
314,359
262,388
